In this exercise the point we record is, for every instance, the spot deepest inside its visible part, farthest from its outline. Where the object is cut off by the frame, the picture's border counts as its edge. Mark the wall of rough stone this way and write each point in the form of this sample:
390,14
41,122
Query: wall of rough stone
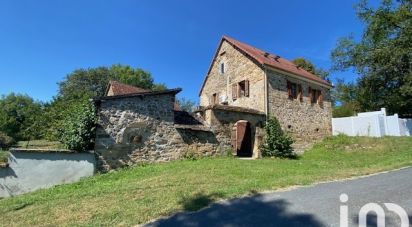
305,120
141,129
223,119
238,67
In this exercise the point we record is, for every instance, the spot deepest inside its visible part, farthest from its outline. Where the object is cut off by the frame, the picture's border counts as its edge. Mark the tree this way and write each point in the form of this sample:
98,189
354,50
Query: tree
186,104
92,82
78,128
310,67
19,117
382,57
277,143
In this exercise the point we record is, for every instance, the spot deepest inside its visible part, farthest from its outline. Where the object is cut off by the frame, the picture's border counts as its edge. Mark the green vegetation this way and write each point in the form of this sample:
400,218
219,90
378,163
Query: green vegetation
310,67
381,57
5,141
40,144
23,118
140,194
3,156
79,127
277,143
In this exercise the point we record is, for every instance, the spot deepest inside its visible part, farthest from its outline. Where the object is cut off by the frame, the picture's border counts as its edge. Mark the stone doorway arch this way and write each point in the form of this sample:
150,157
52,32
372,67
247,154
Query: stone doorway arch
242,139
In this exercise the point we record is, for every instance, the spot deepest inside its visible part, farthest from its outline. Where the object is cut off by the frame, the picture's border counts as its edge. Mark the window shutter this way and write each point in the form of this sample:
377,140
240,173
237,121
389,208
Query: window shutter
234,91
310,94
320,98
247,88
289,90
300,92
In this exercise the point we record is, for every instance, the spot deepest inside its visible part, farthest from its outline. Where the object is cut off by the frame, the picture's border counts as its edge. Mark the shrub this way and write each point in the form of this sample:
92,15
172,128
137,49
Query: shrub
276,143
78,129
5,141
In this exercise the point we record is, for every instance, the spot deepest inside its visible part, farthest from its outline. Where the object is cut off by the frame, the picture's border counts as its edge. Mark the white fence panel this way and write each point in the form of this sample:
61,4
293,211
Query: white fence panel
375,124
342,126
366,126
392,123
405,126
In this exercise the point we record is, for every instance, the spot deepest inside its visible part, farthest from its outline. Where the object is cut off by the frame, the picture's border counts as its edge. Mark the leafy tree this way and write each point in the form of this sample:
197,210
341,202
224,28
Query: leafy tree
277,143
78,128
5,141
382,57
310,67
186,104
92,82
19,117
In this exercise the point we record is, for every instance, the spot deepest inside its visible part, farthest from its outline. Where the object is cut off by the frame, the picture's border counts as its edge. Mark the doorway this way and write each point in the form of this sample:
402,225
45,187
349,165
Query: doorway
242,139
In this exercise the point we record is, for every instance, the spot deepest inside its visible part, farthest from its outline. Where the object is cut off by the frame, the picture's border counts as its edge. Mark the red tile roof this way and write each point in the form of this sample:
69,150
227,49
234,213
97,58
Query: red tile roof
124,89
267,59
275,61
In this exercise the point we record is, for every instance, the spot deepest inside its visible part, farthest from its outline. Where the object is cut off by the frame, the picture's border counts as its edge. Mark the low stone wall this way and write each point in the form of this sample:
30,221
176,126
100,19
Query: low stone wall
138,129
29,170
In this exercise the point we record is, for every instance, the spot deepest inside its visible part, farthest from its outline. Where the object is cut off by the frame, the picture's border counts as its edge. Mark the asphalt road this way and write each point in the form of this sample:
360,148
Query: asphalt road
317,205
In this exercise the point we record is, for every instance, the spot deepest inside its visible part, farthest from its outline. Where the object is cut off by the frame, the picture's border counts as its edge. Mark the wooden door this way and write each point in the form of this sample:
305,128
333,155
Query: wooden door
243,139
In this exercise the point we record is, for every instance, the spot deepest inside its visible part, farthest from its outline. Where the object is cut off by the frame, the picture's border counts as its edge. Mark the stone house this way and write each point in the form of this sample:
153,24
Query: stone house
243,86
249,79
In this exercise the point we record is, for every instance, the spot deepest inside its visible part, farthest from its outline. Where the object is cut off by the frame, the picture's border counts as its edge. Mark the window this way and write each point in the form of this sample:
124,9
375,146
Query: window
300,93
316,96
214,99
222,68
240,89
292,90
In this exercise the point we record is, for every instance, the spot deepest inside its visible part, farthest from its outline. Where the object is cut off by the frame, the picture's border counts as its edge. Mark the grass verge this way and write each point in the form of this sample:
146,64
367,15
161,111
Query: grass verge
3,156
137,195
40,144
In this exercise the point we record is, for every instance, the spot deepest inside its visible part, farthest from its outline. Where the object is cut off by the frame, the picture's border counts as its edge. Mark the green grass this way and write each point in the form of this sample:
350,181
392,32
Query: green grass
40,144
140,194
3,156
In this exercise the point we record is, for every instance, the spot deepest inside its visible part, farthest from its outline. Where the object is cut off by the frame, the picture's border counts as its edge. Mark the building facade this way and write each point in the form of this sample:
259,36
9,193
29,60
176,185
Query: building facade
243,76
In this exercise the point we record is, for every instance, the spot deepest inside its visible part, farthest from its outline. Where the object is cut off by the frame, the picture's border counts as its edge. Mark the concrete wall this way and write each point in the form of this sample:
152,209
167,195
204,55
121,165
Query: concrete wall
29,171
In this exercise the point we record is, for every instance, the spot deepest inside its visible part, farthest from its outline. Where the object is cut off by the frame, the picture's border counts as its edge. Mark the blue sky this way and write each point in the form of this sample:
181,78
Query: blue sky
42,41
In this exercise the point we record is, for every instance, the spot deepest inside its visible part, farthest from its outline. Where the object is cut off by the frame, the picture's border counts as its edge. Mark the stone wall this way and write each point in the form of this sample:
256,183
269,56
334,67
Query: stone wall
142,129
238,67
305,120
223,118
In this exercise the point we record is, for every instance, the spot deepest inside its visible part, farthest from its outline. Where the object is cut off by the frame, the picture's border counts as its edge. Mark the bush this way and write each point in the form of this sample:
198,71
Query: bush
276,143
78,128
5,141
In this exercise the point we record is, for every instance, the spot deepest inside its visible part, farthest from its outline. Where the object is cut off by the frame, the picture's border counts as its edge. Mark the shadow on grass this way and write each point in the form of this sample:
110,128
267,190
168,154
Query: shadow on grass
247,211
199,201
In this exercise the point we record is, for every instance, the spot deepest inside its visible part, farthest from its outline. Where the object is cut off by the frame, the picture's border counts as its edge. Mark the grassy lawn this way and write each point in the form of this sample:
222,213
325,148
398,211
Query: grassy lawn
137,195
3,156
39,144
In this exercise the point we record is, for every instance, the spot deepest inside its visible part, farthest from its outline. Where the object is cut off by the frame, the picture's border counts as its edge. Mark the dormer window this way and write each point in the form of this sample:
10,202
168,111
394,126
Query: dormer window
222,68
